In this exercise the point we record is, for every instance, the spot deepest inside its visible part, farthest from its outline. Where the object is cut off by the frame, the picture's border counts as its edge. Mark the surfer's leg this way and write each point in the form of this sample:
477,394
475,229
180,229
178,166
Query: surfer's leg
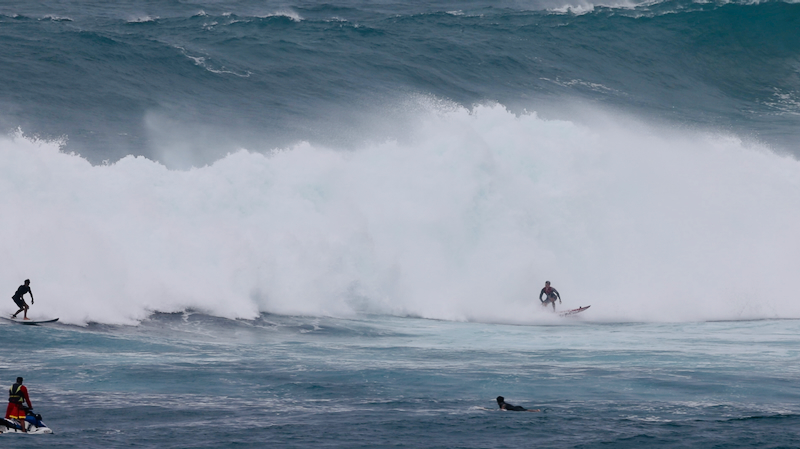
21,308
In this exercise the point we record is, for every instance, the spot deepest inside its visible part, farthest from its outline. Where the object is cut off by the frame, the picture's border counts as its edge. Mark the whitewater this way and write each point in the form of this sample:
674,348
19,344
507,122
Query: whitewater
309,224
462,220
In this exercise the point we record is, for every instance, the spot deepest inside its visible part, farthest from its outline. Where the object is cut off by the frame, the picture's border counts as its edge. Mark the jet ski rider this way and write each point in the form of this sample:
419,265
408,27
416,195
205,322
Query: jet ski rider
551,293
17,398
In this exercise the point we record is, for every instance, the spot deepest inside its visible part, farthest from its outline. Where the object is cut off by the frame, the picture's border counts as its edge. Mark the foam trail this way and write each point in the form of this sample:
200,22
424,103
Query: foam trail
464,221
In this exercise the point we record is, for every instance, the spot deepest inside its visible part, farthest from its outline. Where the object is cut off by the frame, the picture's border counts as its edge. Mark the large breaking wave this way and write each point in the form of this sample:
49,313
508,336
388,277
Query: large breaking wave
464,219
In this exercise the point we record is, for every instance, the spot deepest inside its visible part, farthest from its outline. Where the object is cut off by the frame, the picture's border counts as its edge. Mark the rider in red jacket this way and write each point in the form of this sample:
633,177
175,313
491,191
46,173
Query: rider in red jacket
17,398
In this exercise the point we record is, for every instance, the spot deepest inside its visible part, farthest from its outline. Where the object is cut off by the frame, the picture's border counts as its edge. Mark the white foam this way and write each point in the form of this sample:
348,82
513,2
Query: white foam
288,13
143,19
203,61
581,7
597,87
784,103
55,18
463,220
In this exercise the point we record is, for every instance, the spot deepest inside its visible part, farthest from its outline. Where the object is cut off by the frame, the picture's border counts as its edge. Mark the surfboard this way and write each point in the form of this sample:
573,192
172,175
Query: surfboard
573,311
30,322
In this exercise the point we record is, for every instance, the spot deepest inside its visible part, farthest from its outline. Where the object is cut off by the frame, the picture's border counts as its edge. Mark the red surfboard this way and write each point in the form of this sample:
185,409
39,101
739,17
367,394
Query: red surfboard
573,311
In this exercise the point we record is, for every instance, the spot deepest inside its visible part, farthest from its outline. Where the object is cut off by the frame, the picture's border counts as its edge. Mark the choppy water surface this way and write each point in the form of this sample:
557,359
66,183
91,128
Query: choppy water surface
317,224
197,381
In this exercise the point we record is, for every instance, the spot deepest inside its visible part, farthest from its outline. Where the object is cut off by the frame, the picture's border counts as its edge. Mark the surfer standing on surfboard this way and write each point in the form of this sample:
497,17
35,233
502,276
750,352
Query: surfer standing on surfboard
20,301
551,294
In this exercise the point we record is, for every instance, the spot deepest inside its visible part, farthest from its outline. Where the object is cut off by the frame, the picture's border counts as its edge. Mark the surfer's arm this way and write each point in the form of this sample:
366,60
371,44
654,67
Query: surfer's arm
541,294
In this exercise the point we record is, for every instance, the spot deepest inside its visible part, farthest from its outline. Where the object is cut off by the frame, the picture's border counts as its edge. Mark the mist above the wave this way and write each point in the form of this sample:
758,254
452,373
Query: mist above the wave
462,219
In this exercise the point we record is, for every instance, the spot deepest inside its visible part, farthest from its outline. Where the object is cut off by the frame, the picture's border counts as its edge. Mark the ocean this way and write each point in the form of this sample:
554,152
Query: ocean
316,224
192,380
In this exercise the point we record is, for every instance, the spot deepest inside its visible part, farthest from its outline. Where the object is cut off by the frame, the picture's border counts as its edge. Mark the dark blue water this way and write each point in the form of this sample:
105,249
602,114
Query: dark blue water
379,192
133,77
197,381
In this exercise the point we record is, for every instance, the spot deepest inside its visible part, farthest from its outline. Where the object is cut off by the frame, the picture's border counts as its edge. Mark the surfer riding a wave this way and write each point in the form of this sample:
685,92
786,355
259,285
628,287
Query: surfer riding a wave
20,301
551,295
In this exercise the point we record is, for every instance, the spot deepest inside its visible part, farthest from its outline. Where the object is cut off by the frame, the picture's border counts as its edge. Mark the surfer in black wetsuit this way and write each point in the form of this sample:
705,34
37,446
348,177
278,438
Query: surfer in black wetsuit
501,401
20,301
551,294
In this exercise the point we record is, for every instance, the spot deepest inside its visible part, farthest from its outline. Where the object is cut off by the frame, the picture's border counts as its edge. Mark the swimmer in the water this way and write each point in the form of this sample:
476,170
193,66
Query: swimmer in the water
501,401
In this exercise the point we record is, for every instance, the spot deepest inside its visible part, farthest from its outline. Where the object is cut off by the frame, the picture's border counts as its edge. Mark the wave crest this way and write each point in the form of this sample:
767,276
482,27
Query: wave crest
463,220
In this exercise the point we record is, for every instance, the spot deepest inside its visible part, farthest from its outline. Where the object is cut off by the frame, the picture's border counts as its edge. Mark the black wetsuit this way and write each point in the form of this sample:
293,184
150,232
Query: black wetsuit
18,295
513,408
551,295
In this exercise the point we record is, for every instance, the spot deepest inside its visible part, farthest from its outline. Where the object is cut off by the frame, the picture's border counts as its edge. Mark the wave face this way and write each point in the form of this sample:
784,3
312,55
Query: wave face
185,83
237,158
463,220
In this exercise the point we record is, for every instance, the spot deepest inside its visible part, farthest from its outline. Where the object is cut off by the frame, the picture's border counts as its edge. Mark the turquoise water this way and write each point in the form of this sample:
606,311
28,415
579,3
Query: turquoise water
316,224
190,380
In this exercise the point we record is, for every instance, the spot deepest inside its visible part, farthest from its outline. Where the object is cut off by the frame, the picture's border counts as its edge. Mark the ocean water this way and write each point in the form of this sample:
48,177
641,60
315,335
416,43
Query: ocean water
307,223
190,380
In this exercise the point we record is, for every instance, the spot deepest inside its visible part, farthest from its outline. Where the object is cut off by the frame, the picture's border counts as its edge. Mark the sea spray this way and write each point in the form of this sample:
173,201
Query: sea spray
462,220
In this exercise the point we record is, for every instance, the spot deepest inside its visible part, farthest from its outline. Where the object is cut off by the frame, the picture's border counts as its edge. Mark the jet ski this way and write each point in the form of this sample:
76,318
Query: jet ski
33,424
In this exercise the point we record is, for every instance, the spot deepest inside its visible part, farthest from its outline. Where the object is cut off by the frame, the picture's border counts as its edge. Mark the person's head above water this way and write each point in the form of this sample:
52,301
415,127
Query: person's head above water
27,281
19,380
546,282
501,399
